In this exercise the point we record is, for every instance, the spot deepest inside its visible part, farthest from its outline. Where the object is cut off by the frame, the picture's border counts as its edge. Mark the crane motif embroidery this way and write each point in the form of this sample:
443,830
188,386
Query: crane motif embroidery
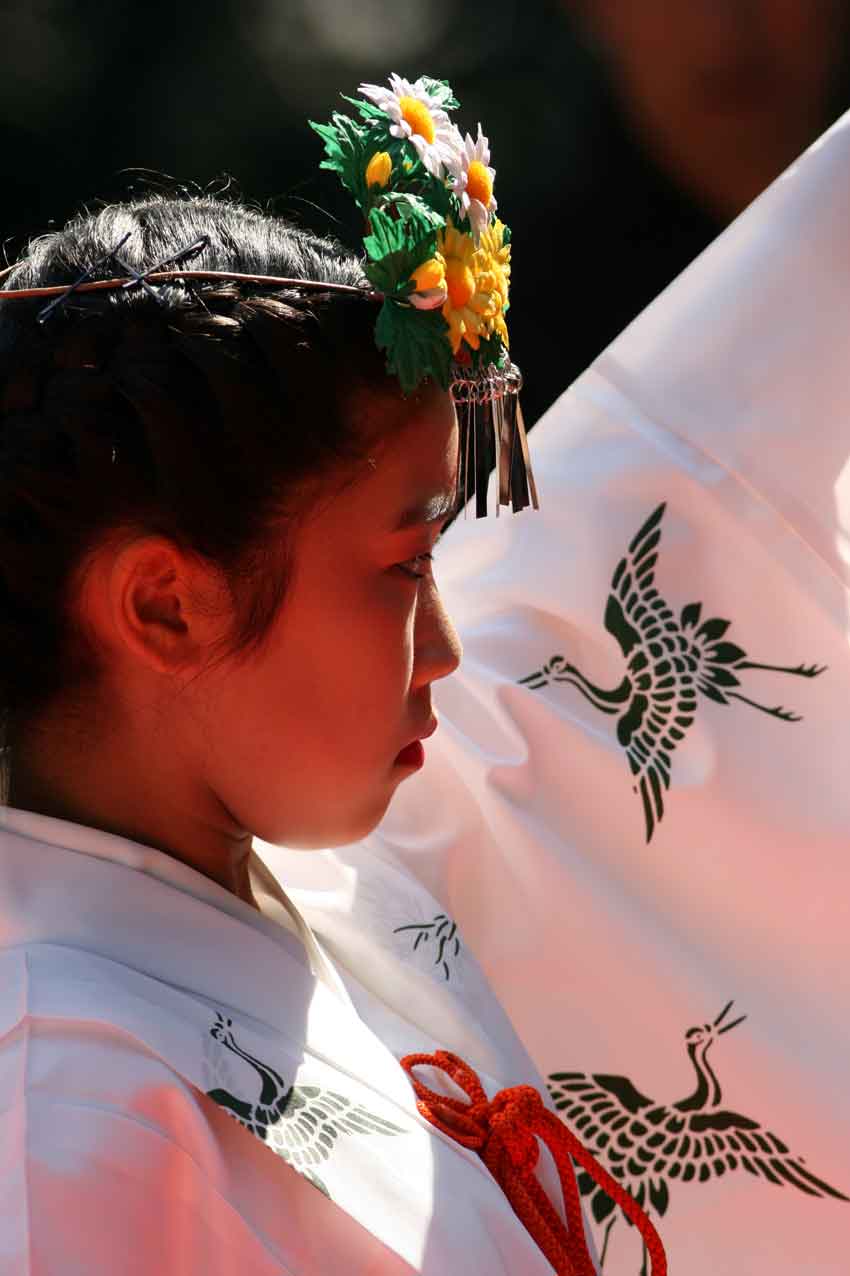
301,1123
647,1146
669,661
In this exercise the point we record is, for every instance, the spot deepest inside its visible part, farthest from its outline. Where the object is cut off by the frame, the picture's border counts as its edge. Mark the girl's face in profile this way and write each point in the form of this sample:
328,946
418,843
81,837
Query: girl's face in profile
307,740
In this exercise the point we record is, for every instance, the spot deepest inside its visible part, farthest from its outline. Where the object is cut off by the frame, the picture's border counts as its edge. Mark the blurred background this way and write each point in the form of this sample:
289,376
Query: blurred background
625,133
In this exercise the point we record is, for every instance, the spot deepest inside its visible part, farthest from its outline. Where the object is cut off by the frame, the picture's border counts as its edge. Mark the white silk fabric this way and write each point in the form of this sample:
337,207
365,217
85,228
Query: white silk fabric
636,811
193,1088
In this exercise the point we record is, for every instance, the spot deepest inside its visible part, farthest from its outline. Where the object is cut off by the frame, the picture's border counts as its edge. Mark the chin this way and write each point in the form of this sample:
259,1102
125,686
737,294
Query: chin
350,827
357,829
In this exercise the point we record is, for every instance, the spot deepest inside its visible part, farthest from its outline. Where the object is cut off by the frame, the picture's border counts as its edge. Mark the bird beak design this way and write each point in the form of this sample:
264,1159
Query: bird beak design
724,1012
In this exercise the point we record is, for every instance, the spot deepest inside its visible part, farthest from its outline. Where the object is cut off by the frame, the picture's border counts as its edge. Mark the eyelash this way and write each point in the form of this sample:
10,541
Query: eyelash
408,571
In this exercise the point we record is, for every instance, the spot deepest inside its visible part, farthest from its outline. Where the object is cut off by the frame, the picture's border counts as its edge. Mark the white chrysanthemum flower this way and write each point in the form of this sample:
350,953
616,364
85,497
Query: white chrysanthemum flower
419,119
473,183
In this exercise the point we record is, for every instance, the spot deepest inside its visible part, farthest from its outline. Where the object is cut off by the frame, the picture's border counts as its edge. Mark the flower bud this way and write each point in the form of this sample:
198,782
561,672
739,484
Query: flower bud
378,170
431,274
430,280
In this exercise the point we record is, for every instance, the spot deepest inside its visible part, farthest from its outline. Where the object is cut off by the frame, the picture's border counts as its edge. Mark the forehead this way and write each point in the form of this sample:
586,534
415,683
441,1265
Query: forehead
409,474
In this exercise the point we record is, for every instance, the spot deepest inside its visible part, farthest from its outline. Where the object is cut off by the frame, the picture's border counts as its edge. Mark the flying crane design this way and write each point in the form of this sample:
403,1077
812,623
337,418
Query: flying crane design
301,1123
647,1145
669,661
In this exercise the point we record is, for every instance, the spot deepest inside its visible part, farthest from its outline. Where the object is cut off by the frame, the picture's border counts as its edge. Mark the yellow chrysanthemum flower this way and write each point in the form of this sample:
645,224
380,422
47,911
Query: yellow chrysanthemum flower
473,304
494,261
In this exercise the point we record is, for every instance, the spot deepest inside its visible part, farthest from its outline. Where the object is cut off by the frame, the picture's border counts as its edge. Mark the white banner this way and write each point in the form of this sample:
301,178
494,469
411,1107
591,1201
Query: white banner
636,812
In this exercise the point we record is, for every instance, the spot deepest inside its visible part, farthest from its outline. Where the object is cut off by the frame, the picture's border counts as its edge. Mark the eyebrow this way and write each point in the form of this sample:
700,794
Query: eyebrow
434,509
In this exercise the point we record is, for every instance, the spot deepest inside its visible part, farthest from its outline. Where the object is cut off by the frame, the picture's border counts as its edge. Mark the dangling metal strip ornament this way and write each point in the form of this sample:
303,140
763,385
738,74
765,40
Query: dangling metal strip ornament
492,435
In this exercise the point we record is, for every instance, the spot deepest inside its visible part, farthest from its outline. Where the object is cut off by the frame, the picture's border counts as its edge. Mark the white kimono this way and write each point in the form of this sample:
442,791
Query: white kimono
191,1088
636,811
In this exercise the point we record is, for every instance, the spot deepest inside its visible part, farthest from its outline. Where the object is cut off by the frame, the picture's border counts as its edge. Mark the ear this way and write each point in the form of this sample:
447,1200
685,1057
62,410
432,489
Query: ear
160,606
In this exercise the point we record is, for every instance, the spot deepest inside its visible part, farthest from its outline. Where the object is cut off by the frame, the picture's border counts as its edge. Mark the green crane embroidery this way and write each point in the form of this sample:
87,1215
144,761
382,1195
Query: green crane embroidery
647,1146
301,1123
669,661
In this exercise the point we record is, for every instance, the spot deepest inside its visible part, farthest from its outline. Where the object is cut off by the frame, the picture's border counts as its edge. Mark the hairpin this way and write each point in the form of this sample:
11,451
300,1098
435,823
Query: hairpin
134,277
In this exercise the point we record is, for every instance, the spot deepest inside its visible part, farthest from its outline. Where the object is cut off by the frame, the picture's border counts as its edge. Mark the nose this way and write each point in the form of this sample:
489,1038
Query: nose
437,646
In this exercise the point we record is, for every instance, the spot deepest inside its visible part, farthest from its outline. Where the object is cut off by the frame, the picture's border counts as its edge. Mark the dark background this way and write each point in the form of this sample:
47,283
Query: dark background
625,133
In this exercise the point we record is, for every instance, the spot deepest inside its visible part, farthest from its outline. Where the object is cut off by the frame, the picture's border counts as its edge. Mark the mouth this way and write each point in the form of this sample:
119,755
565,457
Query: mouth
413,754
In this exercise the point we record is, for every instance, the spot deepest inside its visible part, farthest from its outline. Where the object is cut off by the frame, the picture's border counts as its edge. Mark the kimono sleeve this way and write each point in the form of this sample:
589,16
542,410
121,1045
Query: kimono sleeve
108,1164
112,1162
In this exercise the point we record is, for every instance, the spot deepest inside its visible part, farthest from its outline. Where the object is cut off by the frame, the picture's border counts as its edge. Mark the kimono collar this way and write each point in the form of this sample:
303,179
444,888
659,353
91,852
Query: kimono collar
276,908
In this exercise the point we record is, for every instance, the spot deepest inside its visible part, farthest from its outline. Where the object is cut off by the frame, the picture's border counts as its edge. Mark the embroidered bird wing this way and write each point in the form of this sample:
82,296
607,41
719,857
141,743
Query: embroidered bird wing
647,1147
301,1123
606,1113
722,1140
661,669
313,1121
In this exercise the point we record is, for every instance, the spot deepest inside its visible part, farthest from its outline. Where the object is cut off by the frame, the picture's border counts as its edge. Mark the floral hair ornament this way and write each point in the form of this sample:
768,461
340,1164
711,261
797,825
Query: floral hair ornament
439,258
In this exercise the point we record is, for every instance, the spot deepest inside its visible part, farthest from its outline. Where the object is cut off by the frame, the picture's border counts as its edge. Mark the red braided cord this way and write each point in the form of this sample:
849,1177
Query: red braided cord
504,1132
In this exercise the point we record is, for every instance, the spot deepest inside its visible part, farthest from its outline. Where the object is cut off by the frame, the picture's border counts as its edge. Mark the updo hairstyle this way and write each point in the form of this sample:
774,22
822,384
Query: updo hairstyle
197,417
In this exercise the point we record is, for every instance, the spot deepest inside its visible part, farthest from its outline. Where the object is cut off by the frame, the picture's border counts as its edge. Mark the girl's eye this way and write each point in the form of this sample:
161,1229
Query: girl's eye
416,567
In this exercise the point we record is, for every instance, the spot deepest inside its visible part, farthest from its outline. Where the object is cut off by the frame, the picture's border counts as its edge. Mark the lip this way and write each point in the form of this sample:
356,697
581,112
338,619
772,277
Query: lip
413,754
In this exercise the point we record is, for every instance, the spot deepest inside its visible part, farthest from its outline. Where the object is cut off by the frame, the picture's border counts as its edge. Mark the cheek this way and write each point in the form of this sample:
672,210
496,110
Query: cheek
386,623
351,647
335,677
303,744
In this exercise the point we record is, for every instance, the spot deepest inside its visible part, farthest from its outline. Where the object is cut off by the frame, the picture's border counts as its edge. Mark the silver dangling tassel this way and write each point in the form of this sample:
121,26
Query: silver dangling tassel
492,436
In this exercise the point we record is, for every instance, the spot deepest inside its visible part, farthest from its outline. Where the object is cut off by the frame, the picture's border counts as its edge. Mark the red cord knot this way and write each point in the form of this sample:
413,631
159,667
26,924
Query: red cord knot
514,1118
504,1131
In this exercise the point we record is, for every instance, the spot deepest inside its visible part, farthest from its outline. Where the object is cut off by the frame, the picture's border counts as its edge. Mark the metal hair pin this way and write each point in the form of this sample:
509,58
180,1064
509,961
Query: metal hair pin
158,274
135,278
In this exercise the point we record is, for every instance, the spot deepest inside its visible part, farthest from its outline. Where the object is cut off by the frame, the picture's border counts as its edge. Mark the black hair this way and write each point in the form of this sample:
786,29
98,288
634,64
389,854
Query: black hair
198,416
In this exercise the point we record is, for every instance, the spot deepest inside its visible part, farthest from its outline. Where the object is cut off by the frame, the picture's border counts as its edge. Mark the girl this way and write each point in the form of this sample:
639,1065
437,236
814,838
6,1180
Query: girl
220,622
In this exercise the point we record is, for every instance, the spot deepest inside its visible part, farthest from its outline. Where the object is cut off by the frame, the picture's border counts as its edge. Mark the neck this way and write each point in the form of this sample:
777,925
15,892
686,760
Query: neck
50,777
705,1094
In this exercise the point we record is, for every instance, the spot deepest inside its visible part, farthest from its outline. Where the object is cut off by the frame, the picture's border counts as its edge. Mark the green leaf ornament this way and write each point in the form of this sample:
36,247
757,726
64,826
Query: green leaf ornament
440,93
414,209
397,246
442,201
416,342
368,110
346,153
